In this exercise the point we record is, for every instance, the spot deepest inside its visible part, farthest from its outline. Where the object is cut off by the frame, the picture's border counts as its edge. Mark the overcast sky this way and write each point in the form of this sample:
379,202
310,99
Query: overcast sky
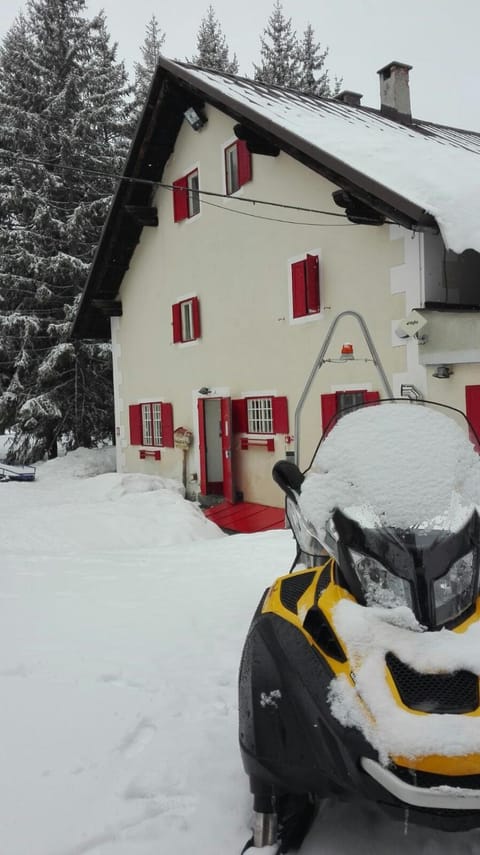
439,38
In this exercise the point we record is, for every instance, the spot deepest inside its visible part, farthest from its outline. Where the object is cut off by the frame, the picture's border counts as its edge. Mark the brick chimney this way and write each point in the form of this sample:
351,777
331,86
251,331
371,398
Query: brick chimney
395,92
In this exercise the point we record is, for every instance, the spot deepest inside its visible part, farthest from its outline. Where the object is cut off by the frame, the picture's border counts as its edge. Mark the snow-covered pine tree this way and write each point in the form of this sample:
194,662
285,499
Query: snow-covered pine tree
280,63
313,77
150,50
62,118
212,48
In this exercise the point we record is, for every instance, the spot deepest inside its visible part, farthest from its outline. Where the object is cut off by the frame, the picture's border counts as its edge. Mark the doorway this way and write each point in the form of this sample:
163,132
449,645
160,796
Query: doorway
215,447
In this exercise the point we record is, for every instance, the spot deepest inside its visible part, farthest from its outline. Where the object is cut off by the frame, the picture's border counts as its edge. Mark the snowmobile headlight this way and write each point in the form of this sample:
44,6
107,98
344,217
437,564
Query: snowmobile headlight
379,585
454,592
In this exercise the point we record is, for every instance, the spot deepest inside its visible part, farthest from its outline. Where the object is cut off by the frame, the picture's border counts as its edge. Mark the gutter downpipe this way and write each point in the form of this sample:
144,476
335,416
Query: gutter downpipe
320,360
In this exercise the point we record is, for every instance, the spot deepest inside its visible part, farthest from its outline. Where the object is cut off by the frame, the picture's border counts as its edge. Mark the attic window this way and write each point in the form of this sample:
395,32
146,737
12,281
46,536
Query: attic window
186,198
238,166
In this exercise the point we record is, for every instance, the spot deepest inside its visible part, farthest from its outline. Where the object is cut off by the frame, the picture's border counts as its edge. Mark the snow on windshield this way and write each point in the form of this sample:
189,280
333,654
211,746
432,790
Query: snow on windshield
398,464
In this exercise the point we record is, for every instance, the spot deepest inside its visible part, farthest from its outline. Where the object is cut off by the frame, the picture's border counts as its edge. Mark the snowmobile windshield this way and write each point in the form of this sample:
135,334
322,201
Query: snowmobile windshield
392,494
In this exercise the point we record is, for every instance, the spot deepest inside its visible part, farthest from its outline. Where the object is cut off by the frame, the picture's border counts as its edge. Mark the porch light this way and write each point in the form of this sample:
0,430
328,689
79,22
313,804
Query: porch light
346,352
204,390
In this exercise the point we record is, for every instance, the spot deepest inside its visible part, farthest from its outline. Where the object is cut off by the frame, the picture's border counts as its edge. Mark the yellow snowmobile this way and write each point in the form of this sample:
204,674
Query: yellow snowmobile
360,671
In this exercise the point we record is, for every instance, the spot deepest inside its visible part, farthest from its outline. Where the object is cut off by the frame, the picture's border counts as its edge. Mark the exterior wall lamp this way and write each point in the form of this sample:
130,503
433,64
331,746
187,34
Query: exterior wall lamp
194,119
442,372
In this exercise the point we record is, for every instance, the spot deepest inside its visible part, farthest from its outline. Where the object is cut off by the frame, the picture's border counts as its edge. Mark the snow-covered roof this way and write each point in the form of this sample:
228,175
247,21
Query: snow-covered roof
421,175
436,168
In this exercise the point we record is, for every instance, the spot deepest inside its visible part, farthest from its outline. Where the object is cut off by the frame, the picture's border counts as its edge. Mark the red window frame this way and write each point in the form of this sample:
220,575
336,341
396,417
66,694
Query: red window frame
180,329
186,202
135,414
331,411
243,171
305,281
279,414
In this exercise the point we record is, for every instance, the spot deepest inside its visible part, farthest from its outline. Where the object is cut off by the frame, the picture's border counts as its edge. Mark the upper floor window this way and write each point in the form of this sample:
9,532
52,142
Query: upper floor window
238,166
305,282
186,198
186,320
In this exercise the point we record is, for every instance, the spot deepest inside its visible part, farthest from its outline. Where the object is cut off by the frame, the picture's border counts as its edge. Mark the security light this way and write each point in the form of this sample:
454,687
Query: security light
194,119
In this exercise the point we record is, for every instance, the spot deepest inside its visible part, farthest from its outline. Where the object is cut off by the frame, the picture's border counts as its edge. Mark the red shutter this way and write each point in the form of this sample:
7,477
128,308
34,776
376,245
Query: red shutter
180,199
239,415
329,410
196,317
280,415
177,323
472,402
299,297
135,419
167,425
312,276
368,397
244,160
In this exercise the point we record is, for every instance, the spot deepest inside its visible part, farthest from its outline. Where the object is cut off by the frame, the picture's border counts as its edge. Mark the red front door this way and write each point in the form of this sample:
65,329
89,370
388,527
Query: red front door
226,416
215,446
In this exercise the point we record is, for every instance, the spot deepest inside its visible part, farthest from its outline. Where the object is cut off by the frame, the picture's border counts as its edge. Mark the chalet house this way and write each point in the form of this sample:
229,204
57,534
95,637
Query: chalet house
247,219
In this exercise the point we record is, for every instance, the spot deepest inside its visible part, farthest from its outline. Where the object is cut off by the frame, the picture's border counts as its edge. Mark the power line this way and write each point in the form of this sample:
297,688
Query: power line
171,187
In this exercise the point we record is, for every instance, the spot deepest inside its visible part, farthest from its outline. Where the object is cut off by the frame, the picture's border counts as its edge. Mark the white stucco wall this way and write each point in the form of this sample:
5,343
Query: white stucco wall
238,265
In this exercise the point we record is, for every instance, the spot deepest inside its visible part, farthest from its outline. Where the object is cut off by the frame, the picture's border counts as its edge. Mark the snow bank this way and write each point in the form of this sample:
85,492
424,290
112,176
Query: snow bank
398,464
81,463
132,511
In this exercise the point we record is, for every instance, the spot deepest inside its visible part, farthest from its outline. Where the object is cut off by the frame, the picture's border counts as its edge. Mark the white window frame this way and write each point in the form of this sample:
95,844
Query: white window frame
151,423
260,414
193,194
232,184
186,310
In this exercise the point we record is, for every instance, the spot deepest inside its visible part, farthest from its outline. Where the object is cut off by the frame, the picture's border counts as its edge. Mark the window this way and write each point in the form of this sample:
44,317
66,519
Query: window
263,414
186,198
335,404
259,415
305,281
151,424
186,320
238,166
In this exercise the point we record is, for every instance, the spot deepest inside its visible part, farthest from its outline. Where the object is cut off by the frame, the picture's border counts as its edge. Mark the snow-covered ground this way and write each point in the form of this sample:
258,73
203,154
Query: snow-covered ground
122,618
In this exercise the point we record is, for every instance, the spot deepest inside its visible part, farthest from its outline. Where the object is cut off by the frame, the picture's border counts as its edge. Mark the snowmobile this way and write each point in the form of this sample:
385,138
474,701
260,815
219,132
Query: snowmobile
359,676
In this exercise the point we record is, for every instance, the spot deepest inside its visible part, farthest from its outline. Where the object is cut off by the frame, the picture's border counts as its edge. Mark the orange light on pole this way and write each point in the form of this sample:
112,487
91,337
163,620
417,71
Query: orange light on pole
347,351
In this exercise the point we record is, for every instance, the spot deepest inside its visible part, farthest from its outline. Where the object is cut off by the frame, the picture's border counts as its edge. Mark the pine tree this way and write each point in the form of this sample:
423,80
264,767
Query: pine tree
279,51
212,48
63,117
144,71
312,60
